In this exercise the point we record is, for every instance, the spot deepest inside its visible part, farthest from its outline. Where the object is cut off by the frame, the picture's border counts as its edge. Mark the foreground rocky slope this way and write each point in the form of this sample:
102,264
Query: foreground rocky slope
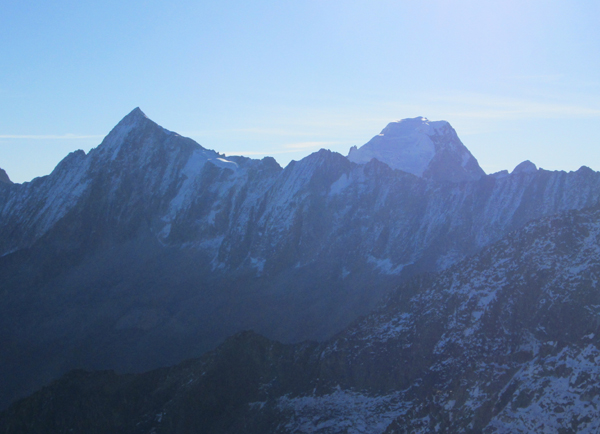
504,342
151,249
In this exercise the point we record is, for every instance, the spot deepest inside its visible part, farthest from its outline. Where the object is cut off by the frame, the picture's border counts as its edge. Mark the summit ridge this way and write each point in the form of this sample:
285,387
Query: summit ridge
428,149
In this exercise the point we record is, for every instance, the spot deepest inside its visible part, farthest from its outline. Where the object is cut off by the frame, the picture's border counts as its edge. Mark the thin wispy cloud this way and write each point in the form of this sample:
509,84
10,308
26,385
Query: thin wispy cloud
49,136
475,113
483,106
308,145
264,152
538,78
287,148
222,131
249,131
273,132
529,112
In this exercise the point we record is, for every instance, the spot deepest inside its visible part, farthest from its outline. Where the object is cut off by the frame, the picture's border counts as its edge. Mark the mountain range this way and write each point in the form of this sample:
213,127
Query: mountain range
503,342
151,249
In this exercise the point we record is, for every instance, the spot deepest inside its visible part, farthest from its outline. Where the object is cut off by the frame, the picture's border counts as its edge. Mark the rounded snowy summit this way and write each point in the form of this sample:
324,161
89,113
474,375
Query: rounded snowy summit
429,149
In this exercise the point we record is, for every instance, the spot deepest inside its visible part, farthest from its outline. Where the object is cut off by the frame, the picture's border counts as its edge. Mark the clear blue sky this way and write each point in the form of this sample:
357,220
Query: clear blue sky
517,79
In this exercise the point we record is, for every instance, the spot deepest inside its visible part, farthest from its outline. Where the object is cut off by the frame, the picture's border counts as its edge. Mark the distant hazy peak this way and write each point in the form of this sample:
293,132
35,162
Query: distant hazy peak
525,167
4,177
429,149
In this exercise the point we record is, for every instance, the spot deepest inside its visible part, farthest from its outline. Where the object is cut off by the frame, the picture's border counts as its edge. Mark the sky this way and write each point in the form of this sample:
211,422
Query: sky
518,80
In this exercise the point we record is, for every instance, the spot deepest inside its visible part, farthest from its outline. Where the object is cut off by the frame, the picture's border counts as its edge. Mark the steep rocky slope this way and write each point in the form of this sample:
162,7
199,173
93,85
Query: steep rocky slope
151,249
504,342
4,177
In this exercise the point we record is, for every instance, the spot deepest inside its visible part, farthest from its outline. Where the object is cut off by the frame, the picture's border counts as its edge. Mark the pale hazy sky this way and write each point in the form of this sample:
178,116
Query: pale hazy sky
517,79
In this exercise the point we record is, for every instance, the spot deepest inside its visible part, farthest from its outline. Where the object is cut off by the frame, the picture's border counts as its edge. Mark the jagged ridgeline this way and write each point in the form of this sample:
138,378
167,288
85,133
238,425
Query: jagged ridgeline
151,249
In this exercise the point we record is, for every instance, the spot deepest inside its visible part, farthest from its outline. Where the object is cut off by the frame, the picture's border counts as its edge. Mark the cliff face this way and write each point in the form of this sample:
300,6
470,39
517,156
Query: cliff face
4,177
151,249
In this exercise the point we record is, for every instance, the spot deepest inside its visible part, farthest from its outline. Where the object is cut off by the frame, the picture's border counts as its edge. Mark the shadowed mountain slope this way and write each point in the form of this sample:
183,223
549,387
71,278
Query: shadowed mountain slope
504,342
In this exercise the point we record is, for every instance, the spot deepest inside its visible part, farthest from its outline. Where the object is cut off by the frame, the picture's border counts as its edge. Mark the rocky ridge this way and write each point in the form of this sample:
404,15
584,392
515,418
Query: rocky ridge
506,341
4,177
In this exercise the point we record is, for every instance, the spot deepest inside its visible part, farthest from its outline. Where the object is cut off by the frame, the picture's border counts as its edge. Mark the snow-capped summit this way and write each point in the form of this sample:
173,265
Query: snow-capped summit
421,147
134,118
138,123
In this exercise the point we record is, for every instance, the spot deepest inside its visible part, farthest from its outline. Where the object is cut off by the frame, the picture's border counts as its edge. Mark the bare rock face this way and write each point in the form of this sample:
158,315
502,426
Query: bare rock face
431,150
526,167
4,177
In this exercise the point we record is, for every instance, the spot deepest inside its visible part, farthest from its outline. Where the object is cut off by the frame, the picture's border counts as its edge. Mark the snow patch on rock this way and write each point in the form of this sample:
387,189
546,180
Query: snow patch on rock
404,145
342,411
